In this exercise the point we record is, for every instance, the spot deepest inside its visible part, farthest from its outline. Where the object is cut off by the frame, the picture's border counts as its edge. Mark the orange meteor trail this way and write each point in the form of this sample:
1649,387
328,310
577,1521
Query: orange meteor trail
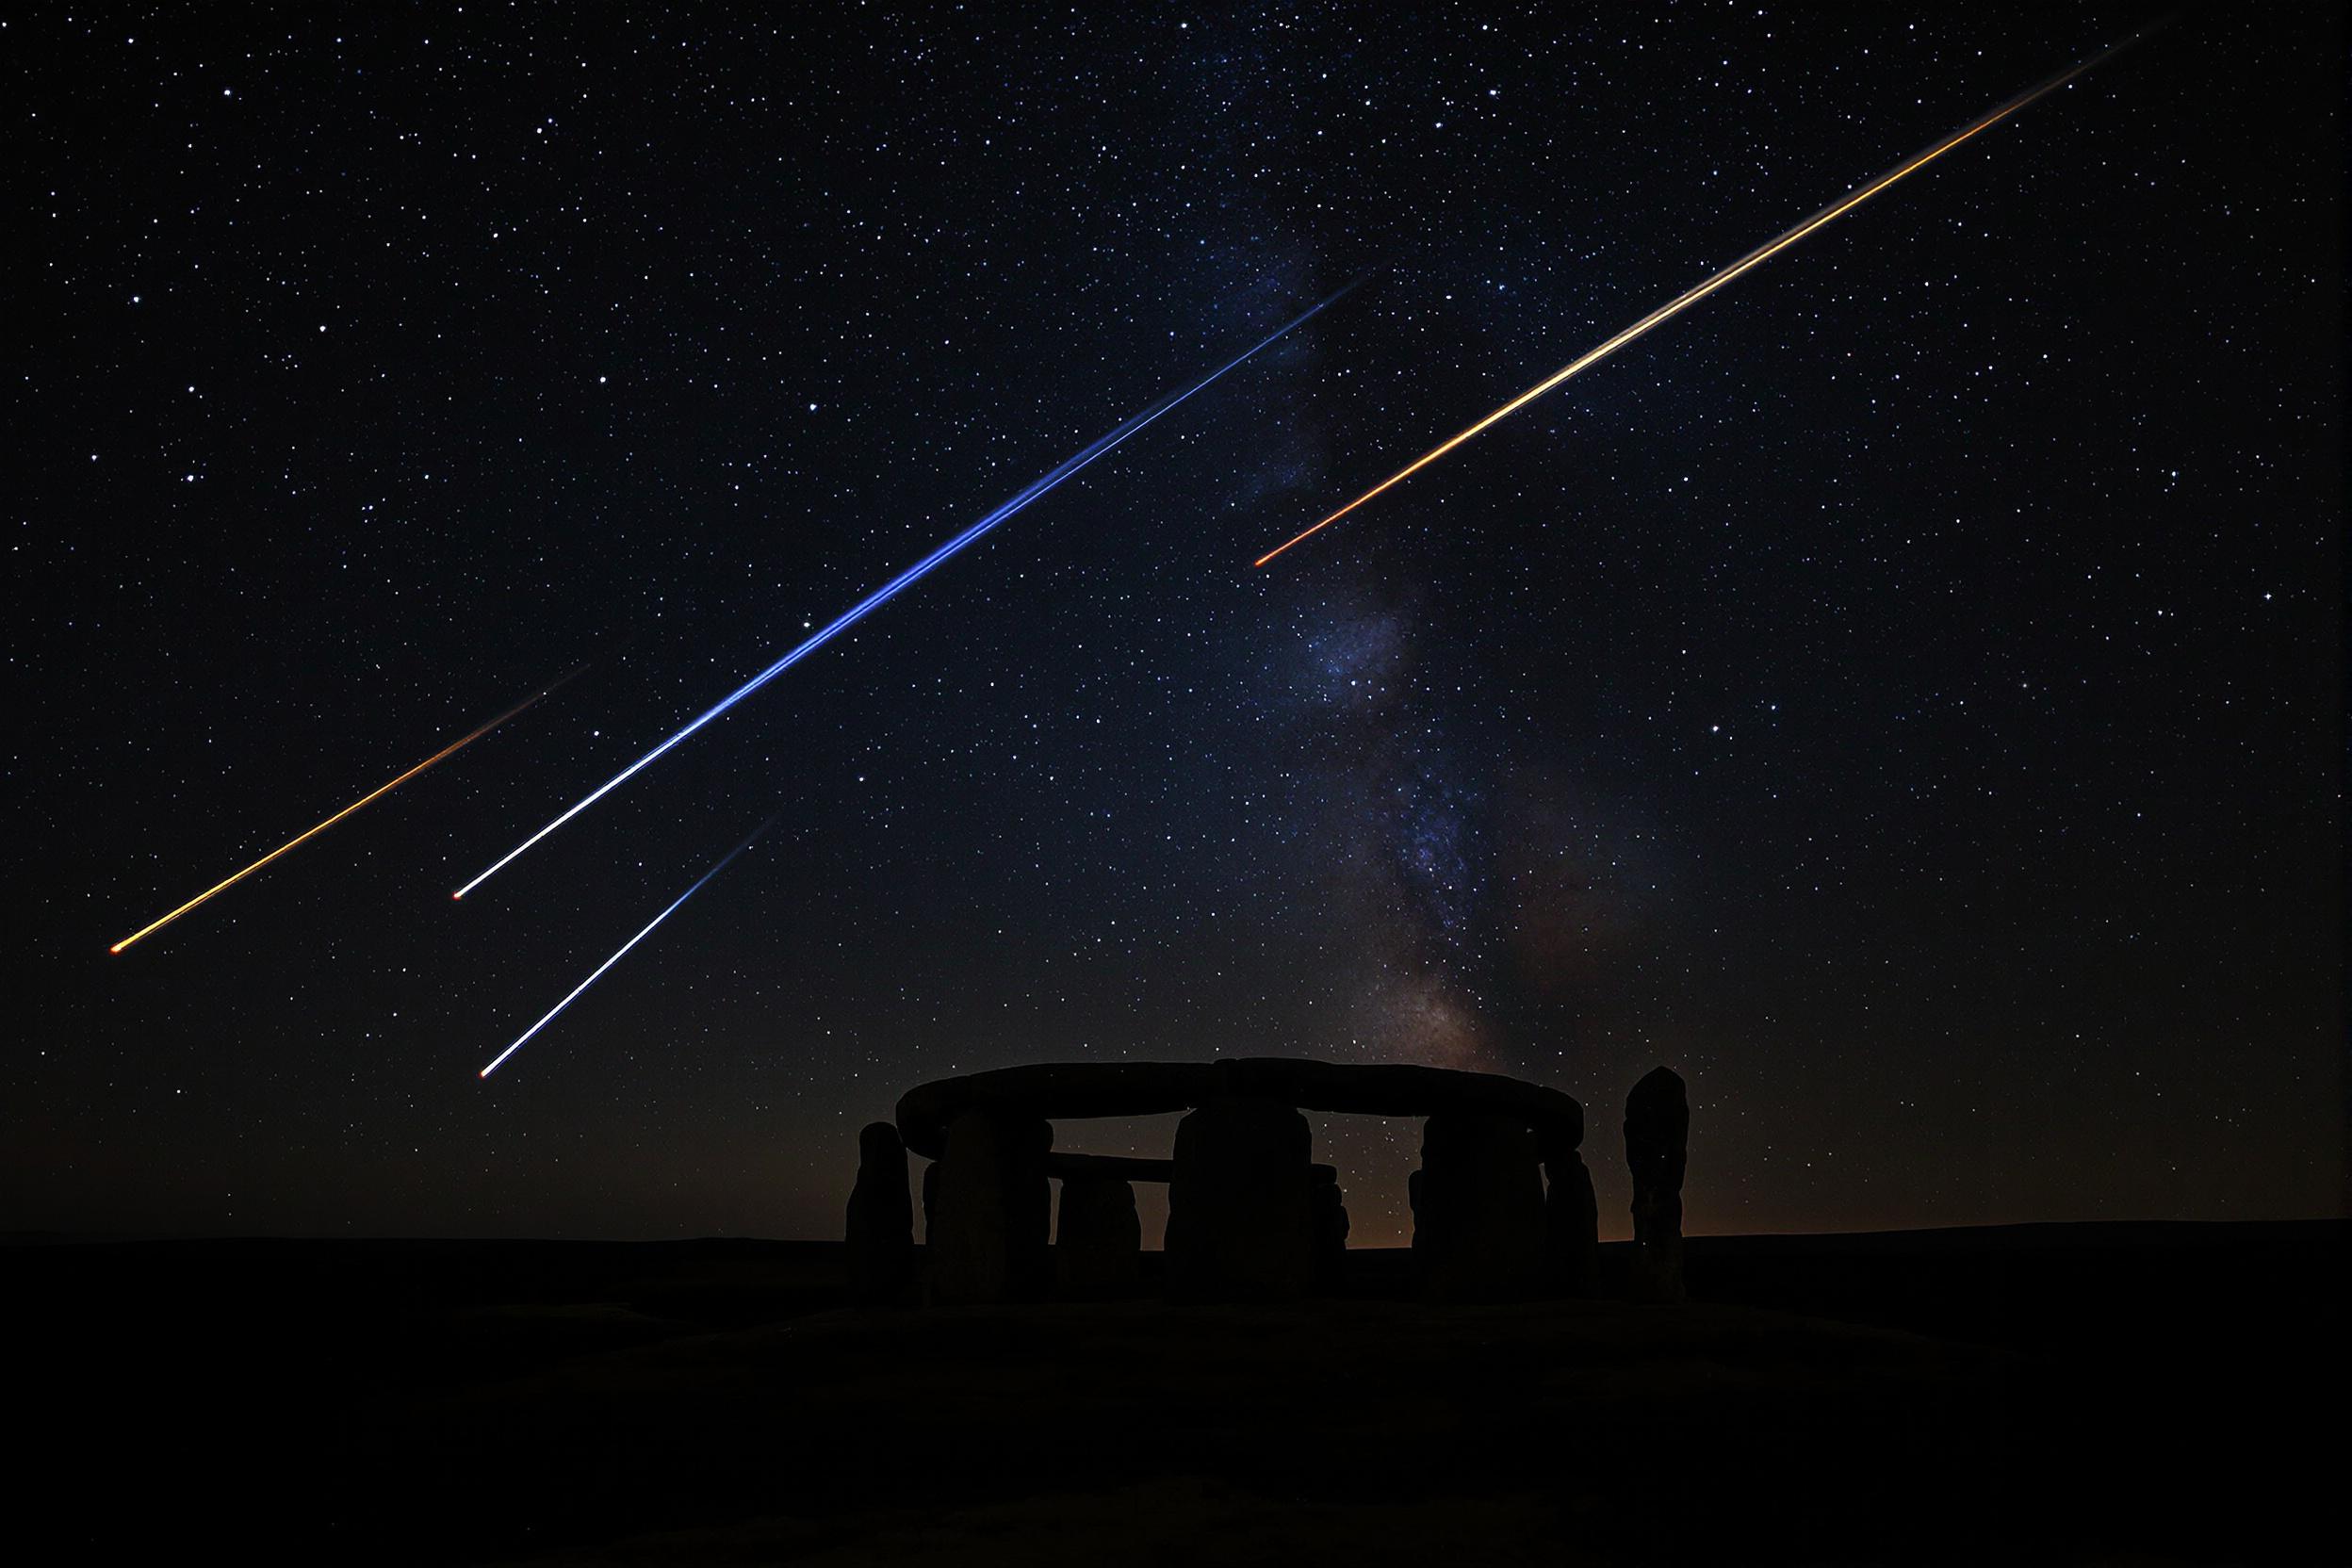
1681,302
454,746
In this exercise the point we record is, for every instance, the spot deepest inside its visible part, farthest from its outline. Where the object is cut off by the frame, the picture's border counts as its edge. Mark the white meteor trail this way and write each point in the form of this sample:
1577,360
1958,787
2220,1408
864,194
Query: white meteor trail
632,942
908,579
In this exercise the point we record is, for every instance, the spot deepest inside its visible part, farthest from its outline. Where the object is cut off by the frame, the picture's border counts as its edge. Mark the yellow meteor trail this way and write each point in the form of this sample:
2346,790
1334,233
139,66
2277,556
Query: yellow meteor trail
456,745
1681,302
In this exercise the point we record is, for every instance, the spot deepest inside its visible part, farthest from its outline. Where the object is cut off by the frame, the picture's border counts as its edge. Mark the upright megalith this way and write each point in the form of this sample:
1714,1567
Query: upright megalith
1239,1223
1657,1133
1100,1245
1327,1220
1249,1216
990,1209
1477,1219
1572,1221
881,1232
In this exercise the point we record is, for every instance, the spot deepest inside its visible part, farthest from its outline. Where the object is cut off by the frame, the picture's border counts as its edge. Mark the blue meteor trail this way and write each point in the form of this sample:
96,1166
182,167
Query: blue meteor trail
632,942
912,576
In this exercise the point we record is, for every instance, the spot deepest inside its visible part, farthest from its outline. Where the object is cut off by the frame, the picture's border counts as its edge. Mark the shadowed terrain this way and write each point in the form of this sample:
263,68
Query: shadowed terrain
2125,1393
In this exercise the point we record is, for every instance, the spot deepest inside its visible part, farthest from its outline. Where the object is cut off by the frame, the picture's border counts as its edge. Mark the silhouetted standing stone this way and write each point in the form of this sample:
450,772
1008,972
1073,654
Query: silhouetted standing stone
1246,1220
1327,1214
1572,1223
1238,1224
1657,1132
1102,1241
881,1232
990,1209
1477,1219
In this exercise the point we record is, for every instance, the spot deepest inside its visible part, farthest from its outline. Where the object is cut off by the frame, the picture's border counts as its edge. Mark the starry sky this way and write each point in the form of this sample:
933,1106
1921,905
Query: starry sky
1903,694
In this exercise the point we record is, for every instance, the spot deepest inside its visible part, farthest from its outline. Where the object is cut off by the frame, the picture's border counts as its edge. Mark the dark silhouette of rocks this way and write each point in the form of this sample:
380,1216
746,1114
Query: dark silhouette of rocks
1248,1217
1478,1219
1571,1224
991,1211
1658,1131
881,1225
1238,1222
1100,1245
1327,1219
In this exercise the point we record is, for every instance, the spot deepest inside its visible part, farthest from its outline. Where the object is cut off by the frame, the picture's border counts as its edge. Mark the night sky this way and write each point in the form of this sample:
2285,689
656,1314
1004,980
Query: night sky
1903,693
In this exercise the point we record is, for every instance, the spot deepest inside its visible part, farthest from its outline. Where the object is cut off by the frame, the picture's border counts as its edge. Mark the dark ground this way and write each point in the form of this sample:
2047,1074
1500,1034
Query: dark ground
2111,1394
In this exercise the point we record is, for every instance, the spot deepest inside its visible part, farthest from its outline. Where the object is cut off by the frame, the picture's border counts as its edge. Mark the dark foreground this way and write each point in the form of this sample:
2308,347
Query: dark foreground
2068,1394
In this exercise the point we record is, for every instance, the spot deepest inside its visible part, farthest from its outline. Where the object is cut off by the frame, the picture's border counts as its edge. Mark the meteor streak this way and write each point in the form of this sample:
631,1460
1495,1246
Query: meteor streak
454,746
632,942
912,576
1754,258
